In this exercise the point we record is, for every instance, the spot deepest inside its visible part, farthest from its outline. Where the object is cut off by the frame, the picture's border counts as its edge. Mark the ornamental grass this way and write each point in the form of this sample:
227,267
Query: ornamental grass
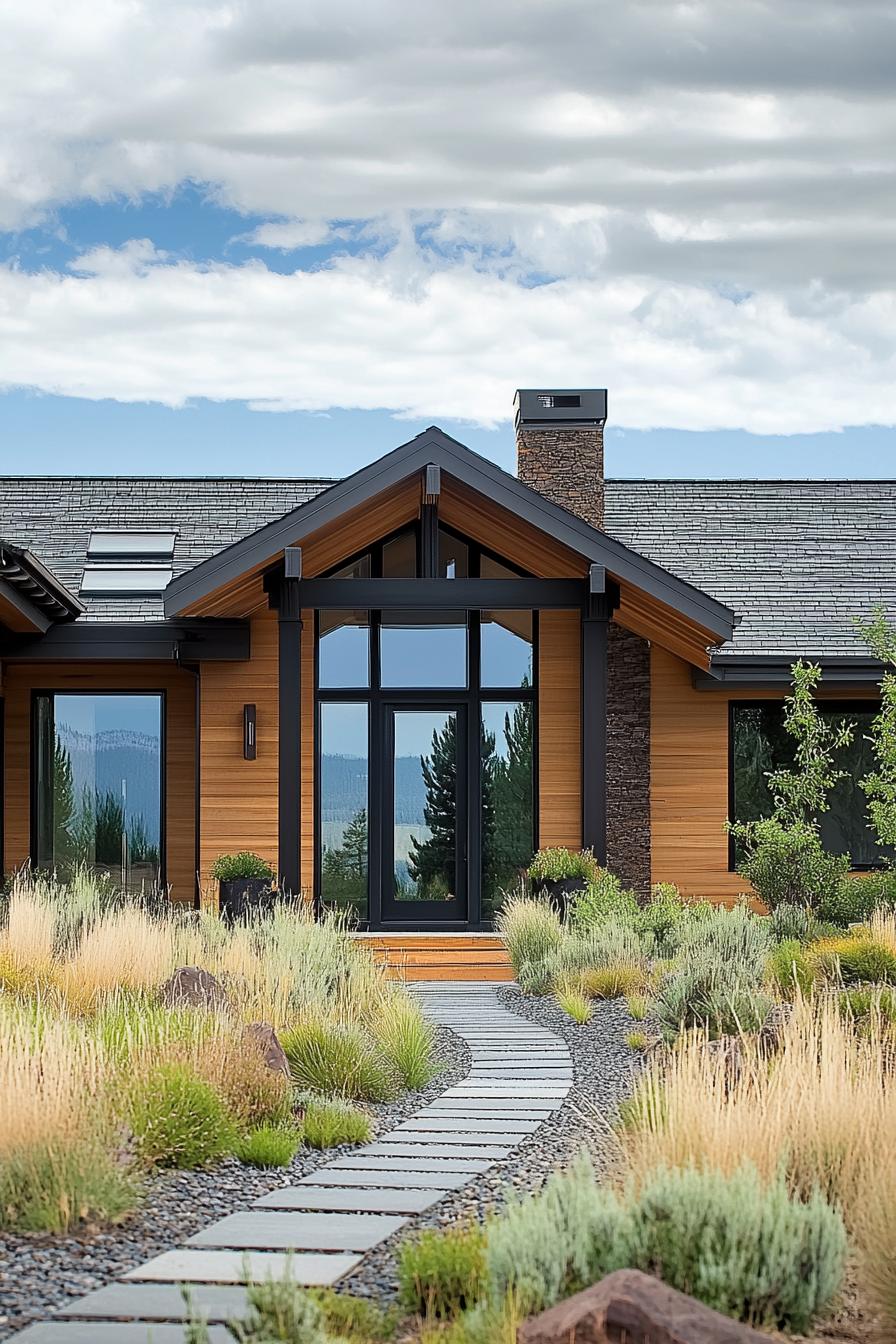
823,1110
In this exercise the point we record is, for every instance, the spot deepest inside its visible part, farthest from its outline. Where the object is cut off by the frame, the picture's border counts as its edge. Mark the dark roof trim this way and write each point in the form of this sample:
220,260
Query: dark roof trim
33,589
433,446
759,673
206,640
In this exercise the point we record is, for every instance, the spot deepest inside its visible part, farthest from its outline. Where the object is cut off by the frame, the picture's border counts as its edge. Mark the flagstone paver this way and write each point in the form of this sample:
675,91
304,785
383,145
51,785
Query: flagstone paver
323,1224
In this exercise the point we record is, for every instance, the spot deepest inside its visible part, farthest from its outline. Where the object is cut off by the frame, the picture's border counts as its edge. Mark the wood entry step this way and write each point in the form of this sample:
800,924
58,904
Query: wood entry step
440,956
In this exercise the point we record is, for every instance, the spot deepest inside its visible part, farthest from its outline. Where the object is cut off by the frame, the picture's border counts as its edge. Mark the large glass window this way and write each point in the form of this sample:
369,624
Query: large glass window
98,785
423,649
344,755
426,755
506,648
760,744
507,812
343,648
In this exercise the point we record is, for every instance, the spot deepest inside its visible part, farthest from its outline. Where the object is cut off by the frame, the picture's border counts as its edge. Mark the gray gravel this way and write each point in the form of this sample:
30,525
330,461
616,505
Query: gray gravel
39,1274
604,1069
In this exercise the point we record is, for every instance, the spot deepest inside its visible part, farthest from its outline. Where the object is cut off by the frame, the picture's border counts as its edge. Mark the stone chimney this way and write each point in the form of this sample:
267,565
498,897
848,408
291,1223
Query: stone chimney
560,447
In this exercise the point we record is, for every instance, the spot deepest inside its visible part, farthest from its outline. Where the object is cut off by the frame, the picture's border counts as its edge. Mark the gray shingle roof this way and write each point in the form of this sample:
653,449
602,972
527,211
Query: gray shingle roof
795,559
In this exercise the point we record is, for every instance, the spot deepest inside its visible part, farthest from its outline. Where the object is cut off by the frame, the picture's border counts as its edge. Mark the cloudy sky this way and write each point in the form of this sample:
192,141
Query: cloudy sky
283,235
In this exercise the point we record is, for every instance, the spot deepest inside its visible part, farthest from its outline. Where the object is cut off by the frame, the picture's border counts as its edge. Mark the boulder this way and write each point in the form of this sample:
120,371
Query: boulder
638,1309
192,987
263,1038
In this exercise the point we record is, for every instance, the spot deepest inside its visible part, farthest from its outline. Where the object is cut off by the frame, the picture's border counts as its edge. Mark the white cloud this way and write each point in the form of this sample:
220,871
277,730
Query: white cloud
399,333
647,159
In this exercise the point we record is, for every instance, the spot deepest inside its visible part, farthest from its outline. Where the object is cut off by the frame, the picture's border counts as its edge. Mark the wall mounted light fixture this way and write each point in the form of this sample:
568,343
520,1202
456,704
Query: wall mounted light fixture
249,748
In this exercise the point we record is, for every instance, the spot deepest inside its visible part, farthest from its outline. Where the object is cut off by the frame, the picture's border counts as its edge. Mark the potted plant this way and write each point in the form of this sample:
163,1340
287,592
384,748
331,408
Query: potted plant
560,874
246,884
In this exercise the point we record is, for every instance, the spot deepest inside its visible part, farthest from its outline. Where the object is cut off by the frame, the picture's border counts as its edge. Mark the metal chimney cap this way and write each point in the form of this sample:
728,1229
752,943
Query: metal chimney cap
568,406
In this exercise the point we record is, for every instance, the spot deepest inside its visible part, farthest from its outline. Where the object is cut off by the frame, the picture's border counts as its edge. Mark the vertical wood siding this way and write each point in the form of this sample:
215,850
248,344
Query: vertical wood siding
560,729
19,680
239,808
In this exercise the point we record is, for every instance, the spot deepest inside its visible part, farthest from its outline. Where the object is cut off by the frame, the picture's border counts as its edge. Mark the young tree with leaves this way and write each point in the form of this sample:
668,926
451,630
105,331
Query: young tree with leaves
880,785
784,857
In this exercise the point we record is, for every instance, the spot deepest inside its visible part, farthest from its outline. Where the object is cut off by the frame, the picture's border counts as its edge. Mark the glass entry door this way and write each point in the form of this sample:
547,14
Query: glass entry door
425,815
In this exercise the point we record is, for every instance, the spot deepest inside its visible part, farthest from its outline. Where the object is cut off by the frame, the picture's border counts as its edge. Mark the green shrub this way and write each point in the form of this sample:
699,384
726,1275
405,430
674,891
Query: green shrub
747,1249
574,1003
269,1146
869,1006
856,898
854,959
613,944
178,1120
280,1312
231,867
603,899
554,1243
710,996
614,981
532,934
407,1040
791,923
442,1273
735,938
53,1186
788,864
555,865
329,1123
790,969
335,1058
355,1320
659,919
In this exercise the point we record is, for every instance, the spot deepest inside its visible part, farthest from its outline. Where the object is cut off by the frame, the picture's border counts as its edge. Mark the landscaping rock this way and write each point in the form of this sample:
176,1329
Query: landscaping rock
192,987
639,1309
262,1036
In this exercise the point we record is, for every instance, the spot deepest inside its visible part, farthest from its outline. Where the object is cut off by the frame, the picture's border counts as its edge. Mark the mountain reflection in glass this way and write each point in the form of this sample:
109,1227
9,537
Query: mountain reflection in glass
425,811
343,807
99,786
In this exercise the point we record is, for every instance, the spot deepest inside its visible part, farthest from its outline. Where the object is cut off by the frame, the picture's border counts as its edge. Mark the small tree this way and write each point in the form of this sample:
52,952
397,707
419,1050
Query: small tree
802,794
880,785
785,859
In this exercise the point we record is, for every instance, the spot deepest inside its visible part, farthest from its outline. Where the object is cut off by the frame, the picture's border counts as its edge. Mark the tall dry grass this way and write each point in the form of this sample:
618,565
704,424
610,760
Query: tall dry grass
823,1110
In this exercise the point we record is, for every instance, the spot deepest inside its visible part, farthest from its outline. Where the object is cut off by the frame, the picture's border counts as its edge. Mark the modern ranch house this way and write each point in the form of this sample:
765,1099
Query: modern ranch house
397,686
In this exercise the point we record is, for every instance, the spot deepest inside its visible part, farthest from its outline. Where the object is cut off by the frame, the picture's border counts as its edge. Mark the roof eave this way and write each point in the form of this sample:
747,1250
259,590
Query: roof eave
433,444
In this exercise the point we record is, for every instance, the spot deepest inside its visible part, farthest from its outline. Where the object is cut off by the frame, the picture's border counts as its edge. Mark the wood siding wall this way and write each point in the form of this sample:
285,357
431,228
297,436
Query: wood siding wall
689,779
560,729
19,680
239,803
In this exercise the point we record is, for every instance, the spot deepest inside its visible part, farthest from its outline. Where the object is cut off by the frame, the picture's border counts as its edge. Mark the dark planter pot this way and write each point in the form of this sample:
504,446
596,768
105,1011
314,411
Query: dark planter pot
242,896
559,891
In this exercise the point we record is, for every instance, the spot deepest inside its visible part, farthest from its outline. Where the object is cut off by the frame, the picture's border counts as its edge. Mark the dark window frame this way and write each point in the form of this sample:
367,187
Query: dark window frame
838,706
162,695
380,699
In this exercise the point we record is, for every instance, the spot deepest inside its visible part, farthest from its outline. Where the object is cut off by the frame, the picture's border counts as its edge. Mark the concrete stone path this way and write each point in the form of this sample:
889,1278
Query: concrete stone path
322,1226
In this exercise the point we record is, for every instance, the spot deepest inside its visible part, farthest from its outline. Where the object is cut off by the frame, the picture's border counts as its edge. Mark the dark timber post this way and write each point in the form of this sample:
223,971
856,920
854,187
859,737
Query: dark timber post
595,622
289,616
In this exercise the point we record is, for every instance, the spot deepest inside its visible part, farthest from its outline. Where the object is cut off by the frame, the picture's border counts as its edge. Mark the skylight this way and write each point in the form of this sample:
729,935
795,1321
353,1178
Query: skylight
135,563
135,580
131,545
